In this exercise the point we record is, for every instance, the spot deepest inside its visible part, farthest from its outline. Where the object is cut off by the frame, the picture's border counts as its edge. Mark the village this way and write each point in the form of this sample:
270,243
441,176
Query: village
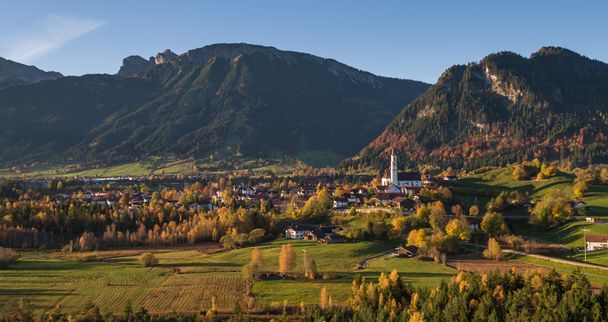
400,192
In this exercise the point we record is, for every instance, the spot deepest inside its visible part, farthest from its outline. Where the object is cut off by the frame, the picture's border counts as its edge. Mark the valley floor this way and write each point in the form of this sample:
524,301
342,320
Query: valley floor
187,278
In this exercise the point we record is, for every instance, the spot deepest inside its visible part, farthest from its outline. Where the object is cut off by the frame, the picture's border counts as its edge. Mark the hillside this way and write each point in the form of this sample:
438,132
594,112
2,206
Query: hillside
226,99
505,108
13,73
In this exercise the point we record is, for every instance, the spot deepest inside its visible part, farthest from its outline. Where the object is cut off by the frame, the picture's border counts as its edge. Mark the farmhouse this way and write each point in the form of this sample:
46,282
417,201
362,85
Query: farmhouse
296,231
405,251
340,203
597,242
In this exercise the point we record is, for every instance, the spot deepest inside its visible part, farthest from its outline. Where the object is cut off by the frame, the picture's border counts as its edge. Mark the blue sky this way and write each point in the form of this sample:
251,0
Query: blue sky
405,39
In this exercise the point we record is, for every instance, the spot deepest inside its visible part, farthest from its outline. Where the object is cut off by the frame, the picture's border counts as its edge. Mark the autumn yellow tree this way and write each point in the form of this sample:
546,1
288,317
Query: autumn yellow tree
287,259
579,189
474,211
256,258
458,228
493,251
323,299
417,237
438,217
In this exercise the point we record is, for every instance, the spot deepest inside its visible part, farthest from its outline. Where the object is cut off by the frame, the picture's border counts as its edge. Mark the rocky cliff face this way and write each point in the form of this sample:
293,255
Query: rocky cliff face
133,65
13,73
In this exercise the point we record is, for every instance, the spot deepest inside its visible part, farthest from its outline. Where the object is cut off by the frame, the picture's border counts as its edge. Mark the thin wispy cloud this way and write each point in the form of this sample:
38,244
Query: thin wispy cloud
53,32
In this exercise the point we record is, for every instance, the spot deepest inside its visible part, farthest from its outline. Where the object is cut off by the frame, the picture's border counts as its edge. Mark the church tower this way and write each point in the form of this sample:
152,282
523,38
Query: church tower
393,168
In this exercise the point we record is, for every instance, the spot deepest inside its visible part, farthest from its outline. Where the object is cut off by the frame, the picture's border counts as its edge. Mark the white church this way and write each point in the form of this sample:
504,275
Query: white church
403,181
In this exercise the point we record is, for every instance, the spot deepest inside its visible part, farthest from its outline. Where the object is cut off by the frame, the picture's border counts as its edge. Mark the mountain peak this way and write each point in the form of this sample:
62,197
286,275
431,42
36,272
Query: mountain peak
555,51
14,73
164,57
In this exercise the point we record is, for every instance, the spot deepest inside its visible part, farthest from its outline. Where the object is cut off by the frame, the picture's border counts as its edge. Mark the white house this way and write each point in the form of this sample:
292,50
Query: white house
340,203
597,242
295,232
411,180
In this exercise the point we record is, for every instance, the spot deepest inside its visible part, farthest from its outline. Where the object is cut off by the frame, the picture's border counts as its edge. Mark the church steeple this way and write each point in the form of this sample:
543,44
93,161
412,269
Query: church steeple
394,169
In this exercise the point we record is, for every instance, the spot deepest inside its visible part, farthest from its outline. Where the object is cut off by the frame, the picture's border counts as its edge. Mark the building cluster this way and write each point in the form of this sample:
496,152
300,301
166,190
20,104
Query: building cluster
321,234
396,189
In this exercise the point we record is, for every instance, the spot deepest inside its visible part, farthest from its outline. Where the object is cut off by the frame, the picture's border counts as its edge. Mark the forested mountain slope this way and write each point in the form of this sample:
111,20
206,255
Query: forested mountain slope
506,108
227,98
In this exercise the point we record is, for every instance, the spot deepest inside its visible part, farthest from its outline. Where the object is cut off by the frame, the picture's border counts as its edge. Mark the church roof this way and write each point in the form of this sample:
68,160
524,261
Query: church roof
408,176
404,176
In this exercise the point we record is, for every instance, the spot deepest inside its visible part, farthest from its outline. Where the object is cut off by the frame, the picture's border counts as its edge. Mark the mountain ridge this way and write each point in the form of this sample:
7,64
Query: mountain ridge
13,73
504,108
220,99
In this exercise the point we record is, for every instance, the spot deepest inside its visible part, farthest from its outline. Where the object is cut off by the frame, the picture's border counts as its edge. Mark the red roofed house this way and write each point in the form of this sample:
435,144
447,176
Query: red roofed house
596,242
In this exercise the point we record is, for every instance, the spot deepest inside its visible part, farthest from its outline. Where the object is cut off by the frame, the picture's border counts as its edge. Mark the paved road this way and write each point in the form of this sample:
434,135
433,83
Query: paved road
557,260
549,258
363,262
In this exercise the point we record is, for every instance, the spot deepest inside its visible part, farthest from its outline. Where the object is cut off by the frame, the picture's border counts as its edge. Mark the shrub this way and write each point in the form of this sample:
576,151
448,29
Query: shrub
148,260
7,256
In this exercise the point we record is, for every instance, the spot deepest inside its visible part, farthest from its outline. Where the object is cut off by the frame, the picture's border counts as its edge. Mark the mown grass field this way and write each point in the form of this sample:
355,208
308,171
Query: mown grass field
54,283
595,257
50,281
595,276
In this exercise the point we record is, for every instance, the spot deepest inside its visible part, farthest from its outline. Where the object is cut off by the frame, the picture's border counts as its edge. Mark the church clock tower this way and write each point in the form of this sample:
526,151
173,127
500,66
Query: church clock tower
394,169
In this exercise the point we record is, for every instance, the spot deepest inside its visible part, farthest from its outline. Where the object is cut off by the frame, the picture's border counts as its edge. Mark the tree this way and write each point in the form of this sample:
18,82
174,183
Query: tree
148,260
493,251
397,226
438,218
579,189
256,258
493,224
458,228
520,173
228,242
256,235
86,241
310,267
423,214
417,237
474,211
317,205
552,210
287,259
7,256
323,299
457,210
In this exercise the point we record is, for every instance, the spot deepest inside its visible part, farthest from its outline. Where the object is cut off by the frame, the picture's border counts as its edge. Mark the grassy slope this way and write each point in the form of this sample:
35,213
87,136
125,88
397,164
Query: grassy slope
502,179
569,234
596,277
